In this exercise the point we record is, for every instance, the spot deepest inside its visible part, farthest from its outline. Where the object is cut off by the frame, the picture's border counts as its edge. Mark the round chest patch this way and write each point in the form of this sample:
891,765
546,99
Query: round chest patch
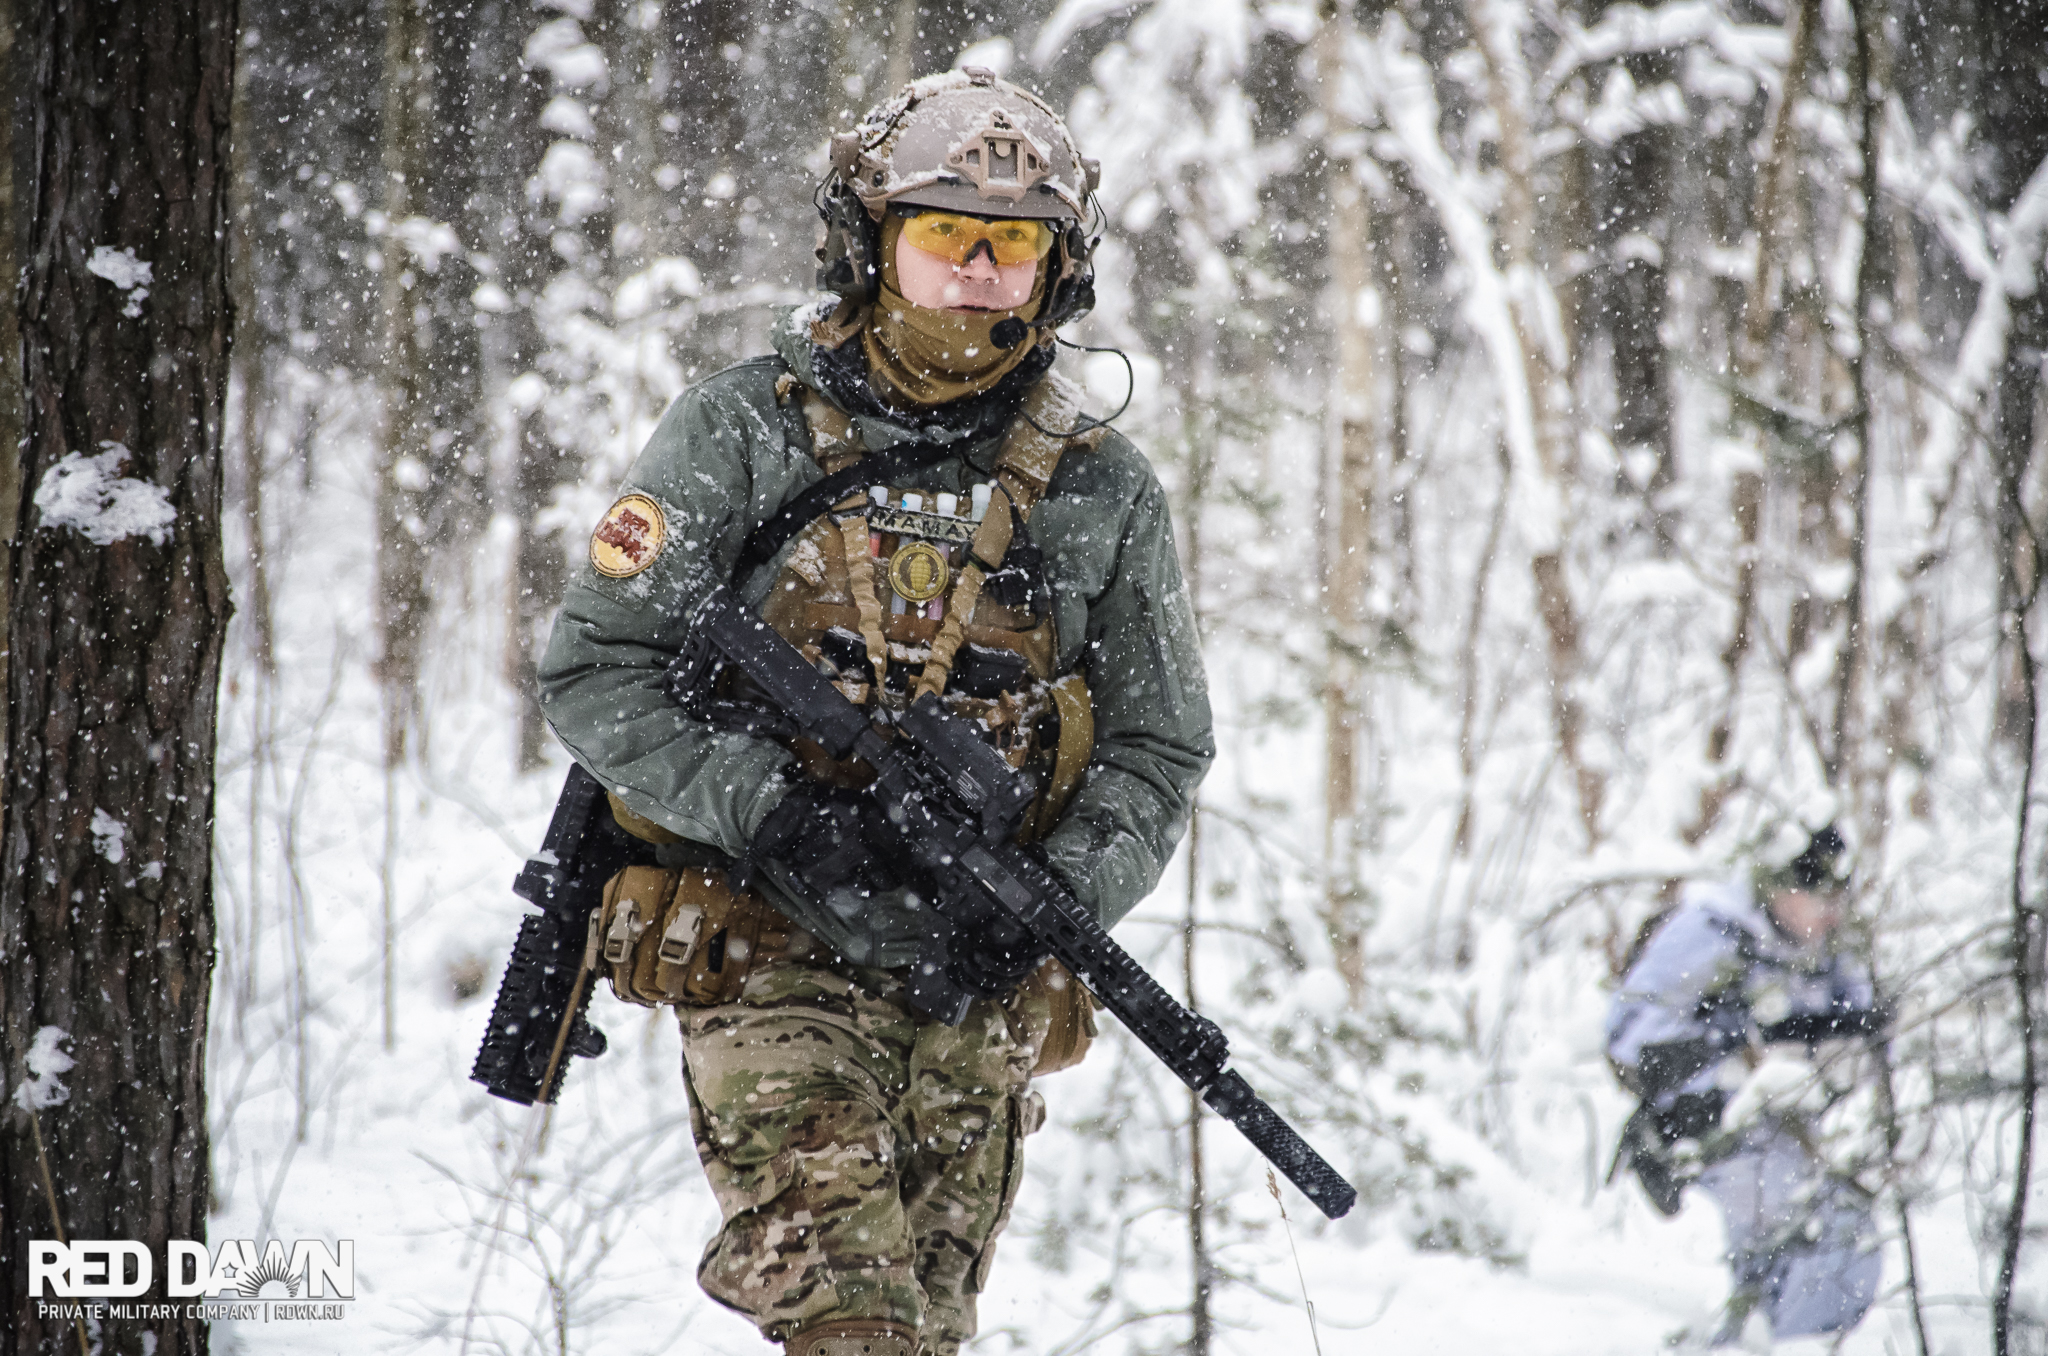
628,538
918,572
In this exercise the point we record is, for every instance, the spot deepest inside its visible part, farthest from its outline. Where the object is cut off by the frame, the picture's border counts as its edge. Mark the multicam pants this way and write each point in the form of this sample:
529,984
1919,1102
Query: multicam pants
864,1161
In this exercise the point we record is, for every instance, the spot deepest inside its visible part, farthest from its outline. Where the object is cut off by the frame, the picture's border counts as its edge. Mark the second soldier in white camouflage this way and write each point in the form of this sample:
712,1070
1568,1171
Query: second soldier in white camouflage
1736,967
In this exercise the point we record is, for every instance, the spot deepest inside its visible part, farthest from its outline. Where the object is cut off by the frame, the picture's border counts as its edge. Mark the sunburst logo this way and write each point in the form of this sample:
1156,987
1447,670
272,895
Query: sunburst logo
271,1272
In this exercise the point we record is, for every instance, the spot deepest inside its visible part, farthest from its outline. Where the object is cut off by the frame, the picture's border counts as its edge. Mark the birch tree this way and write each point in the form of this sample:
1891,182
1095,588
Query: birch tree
402,475
1357,402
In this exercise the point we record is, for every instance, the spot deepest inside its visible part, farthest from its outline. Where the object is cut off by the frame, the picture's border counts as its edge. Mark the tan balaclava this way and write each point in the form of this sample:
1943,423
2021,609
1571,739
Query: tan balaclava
923,357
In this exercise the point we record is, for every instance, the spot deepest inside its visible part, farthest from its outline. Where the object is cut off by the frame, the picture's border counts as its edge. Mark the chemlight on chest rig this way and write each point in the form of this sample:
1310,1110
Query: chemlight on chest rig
924,549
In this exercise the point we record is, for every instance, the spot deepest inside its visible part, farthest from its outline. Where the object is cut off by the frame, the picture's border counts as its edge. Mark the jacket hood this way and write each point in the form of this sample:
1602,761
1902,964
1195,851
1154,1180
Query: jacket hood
1733,901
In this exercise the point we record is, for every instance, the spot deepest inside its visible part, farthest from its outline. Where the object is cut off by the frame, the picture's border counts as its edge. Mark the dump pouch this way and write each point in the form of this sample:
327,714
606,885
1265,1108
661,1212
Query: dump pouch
1053,998
681,937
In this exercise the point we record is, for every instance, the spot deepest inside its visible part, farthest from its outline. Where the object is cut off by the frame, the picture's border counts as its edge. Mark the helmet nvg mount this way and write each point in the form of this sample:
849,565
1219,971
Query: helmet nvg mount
963,141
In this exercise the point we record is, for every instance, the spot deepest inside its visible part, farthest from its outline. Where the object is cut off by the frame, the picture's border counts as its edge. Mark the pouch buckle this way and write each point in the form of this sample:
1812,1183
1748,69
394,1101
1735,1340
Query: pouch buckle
679,938
624,934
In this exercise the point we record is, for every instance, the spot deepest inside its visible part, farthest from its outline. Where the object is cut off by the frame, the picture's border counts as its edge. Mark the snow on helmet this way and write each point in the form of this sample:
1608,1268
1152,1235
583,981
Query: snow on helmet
965,141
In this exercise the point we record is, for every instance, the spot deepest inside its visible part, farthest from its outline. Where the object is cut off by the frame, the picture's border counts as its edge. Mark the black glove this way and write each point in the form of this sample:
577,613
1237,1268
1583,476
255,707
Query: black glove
1648,1137
1667,1065
823,836
995,960
1691,1115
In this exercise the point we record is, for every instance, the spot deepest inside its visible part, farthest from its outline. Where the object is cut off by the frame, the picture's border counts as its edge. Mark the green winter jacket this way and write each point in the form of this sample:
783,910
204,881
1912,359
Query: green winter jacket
725,456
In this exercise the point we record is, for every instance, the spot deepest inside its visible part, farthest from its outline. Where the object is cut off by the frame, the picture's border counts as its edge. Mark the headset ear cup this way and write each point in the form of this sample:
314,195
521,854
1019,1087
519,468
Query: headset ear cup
864,246
1073,295
1083,299
848,264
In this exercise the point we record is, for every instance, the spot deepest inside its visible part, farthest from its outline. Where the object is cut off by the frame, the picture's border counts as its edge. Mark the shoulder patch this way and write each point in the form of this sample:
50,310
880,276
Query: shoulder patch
628,538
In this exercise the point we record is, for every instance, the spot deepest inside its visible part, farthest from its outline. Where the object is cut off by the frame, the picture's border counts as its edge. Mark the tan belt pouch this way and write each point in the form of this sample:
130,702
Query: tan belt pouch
683,938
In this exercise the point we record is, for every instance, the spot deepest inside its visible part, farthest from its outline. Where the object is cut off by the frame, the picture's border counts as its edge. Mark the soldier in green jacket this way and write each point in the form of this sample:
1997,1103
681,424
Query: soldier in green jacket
864,1158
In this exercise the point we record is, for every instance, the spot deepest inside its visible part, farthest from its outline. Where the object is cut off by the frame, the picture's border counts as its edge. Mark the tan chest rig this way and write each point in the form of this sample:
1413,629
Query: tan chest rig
886,594
889,600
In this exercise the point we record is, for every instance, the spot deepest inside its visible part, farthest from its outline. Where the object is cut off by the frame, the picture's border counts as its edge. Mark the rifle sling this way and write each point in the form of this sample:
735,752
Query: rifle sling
774,533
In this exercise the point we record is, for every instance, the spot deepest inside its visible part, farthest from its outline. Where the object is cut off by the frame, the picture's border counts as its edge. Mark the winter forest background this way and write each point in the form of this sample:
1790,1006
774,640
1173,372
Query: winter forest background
1602,439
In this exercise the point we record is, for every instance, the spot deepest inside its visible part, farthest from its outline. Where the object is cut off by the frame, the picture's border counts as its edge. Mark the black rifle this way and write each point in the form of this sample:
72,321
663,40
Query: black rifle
583,849
954,805
1842,1023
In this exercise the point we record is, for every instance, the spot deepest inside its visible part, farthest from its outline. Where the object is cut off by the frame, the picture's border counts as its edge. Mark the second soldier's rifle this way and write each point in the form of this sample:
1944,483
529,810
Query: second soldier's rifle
954,806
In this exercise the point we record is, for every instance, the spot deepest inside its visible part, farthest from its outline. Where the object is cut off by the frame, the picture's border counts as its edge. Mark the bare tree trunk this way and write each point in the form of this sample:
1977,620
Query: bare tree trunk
106,907
433,471
10,349
1894,1137
628,123
1355,401
251,370
1202,1265
446,192
537,580
1496,25
923,37
402,474
1201,1325
519,233
1729,167
1577,280
1746,507
1636,290
902,47
2015,50
2020,562
1760,305
405,455
250,454
709,96
1842,759
1394,244
1746,495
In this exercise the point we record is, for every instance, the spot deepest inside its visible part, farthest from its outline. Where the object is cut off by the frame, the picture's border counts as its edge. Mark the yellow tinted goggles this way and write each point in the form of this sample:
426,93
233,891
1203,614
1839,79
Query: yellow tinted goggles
952,236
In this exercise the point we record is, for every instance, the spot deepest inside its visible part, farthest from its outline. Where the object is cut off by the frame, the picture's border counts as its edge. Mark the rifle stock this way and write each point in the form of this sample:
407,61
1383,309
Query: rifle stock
565,880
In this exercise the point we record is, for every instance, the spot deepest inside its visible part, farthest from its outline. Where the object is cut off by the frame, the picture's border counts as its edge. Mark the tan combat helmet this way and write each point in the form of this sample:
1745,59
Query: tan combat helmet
961,141
966,141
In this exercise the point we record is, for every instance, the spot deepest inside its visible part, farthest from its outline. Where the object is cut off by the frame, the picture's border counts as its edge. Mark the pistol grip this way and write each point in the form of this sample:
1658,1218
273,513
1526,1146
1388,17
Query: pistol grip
933,993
